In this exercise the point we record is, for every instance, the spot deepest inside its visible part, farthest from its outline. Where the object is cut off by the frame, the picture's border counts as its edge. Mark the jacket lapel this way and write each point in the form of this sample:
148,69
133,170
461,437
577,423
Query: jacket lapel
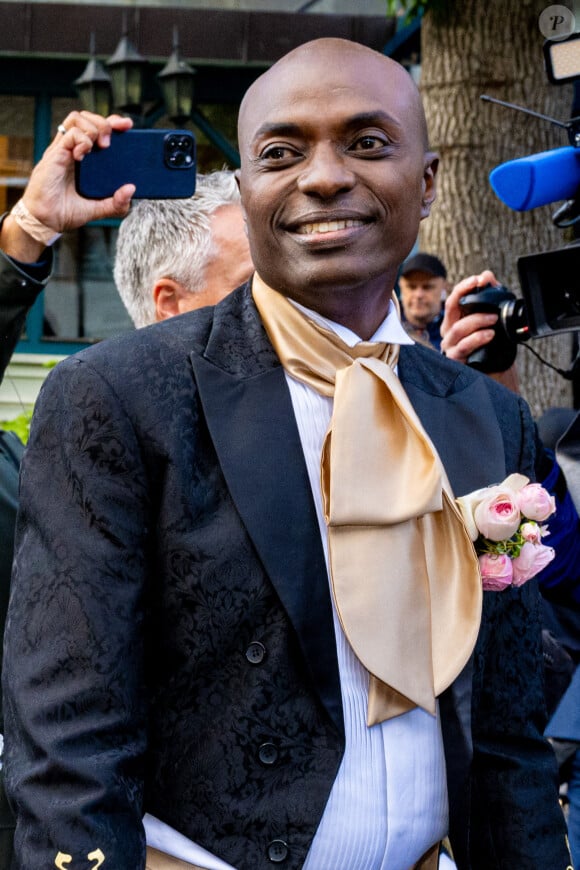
457,413
249,414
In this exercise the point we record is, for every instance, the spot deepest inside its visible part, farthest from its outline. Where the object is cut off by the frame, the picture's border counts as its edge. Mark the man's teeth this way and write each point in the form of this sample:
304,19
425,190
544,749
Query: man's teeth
328,226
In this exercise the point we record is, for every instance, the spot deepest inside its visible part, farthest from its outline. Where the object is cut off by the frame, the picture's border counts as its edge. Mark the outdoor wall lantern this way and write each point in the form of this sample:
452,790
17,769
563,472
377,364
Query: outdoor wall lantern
94,85
120,84
123,85
127,69
177,85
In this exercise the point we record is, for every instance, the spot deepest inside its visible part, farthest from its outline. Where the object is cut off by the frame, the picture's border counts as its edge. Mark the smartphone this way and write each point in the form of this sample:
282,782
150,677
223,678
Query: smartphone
160,163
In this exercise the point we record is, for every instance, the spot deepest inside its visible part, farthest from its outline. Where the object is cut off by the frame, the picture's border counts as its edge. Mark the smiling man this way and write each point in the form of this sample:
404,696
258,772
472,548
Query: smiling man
244,603
335,189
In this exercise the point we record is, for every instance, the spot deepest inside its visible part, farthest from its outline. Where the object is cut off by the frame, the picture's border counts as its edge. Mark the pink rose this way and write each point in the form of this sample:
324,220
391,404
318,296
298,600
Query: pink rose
497,516
496,571
531,532
532,559
468,504
535,502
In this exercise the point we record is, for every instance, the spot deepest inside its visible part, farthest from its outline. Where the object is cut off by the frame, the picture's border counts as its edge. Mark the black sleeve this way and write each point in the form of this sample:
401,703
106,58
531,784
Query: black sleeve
20,285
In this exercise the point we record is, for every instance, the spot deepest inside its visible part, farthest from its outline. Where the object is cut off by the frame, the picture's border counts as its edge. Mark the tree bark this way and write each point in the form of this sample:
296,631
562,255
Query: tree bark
492,48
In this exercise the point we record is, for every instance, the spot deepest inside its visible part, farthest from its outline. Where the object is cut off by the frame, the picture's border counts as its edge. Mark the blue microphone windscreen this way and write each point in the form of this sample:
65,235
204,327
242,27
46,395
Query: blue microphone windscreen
538,179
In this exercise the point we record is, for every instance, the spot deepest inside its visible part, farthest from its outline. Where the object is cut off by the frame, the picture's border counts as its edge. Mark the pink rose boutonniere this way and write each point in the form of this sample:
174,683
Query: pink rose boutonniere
505,523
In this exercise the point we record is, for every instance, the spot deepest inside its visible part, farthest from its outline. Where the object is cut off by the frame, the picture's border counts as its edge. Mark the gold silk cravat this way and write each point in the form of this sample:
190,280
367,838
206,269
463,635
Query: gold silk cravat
404,573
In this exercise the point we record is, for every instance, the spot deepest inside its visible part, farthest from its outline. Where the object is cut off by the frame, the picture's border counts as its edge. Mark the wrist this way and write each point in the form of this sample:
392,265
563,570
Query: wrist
33,228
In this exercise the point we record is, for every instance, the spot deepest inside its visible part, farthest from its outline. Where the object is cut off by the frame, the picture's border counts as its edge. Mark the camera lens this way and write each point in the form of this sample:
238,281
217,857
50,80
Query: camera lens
177,158
179,151
511,327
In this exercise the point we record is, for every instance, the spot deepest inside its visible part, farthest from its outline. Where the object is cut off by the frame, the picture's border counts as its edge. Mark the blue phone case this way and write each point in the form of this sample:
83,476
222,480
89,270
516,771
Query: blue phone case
160,163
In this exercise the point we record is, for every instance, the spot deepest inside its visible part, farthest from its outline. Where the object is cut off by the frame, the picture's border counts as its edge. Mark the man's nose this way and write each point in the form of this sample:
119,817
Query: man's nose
325,173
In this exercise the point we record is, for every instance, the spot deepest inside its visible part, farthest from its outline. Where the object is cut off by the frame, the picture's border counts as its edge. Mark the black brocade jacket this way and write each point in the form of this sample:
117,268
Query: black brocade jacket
170,643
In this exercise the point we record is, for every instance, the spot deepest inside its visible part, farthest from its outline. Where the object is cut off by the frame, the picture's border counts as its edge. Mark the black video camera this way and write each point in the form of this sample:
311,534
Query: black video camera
550,283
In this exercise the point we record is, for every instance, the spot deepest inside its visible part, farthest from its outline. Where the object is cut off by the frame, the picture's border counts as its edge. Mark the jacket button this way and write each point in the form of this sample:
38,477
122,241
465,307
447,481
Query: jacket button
256,652
277,851
268,753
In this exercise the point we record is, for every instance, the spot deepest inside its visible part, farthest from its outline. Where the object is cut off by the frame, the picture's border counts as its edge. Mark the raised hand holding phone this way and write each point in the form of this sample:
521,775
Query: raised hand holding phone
160,163
50,201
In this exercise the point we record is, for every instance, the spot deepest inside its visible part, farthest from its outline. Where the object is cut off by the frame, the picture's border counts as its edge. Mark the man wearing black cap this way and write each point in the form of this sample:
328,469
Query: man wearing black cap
423,284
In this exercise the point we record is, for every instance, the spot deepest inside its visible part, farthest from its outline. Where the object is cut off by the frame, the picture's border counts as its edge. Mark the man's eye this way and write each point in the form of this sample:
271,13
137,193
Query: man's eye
277,152
369,143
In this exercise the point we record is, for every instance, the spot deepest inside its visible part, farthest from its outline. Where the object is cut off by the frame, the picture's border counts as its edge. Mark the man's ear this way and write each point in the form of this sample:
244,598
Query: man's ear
429,184
167,295
238,177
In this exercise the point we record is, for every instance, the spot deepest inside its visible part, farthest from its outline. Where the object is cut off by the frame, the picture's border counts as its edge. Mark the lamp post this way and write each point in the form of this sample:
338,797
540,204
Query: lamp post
127,68
176,80
94,85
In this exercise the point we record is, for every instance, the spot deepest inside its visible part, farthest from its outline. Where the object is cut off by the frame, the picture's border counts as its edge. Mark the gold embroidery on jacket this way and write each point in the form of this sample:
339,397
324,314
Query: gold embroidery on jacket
62,860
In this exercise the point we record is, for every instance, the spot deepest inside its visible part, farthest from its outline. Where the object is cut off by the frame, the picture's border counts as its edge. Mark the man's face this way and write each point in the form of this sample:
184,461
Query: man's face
421,297
334,177
230,263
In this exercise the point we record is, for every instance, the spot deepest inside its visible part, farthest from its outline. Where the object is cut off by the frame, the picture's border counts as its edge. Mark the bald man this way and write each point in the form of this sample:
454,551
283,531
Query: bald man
270,641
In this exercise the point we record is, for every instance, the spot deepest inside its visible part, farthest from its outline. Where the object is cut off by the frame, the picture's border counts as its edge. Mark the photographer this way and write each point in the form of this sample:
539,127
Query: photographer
48,207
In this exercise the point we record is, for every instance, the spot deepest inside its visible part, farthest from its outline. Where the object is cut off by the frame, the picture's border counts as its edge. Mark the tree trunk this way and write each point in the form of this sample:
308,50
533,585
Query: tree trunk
493,48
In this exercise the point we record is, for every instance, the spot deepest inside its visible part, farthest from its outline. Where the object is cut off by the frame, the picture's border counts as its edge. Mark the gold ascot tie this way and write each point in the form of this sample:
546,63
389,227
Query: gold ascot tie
404,572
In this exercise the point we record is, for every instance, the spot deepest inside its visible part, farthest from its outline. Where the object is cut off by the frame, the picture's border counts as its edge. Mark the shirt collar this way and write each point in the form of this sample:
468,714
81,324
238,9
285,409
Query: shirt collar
390,331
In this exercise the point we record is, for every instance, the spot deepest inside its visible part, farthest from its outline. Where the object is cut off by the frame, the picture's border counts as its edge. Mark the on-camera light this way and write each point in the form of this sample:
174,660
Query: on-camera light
562,59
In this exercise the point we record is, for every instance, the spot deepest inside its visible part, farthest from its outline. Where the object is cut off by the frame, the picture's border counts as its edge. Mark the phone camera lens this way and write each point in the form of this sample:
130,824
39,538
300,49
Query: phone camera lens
180,151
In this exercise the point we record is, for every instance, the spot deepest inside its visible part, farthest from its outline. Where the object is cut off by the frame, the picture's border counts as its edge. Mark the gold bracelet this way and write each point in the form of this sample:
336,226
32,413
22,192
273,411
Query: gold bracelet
32,226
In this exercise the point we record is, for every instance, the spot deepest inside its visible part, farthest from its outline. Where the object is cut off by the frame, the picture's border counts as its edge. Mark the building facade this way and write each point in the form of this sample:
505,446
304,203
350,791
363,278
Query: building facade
44,49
